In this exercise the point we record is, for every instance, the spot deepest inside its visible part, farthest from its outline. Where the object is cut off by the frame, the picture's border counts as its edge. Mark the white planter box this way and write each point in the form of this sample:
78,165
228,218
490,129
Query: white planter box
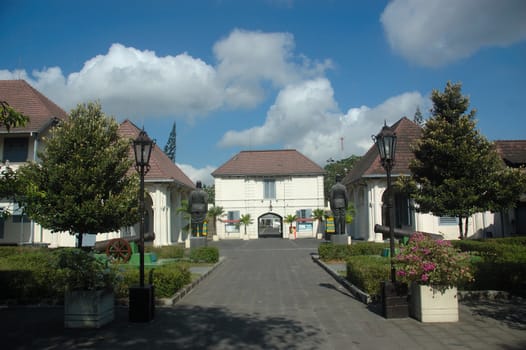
430,305
88,309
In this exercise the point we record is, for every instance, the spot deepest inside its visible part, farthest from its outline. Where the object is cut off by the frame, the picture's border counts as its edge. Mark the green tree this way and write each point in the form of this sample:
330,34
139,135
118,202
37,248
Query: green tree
81,185
418,118
246,220
338,167
171,146
9,118
211,191
213,214
457,171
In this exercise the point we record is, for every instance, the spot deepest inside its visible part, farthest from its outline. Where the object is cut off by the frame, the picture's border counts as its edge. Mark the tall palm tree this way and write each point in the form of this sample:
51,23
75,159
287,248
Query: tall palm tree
289,219
246,220
319,215
213,214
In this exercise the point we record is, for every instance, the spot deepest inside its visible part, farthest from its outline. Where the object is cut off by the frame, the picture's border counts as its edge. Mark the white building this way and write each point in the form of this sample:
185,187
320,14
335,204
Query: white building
269,185
165,183
367,184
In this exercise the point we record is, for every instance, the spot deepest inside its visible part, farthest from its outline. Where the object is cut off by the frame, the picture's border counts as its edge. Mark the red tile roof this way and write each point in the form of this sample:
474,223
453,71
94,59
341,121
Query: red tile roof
161,167
513,152
369,165
28,101
268,163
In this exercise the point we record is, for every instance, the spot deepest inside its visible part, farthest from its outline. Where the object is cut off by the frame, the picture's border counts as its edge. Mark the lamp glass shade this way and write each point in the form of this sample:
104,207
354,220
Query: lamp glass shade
142,148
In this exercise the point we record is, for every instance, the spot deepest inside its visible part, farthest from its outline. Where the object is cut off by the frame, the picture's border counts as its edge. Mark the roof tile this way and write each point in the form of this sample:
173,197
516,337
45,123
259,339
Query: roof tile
268,163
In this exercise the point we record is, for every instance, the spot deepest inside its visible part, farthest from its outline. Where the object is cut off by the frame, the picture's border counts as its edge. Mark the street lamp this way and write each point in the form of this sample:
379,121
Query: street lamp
386,143
142,298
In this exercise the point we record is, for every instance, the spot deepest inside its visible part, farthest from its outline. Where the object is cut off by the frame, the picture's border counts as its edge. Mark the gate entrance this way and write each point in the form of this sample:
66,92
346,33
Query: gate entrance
270,225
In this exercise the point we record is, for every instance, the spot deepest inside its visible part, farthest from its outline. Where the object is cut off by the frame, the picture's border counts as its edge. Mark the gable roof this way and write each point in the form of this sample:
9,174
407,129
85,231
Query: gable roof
268,163
370,165
513,152
30,102
161,167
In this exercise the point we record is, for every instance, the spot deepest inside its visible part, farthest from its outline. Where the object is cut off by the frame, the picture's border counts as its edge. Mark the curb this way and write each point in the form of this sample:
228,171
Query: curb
188,288
355,291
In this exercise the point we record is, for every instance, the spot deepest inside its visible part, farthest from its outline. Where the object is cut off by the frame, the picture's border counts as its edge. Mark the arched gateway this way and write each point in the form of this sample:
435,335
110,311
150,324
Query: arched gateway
270,225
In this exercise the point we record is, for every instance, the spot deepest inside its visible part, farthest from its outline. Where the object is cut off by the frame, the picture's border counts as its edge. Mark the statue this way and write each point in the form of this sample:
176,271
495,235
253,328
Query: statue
198,205
339,200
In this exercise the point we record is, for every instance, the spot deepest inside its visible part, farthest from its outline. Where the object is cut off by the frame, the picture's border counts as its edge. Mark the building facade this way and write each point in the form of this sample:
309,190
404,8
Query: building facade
367,185
270,186
166,185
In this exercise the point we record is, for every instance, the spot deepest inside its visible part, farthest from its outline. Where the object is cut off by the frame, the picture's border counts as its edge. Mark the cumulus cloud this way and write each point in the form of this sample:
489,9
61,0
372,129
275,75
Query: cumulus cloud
305,117
137,83
437,32
201,174
246,59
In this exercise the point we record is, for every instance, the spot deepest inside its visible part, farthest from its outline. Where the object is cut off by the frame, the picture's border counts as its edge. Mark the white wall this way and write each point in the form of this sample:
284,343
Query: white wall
246,196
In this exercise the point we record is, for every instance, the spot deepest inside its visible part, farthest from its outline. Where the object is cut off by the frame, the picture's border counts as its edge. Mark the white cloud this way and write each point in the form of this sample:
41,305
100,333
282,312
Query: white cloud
202,174
305,117
246,59
436,32
134,83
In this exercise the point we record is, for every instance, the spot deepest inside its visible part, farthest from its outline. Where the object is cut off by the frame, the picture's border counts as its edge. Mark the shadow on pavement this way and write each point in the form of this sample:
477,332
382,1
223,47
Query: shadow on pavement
186,327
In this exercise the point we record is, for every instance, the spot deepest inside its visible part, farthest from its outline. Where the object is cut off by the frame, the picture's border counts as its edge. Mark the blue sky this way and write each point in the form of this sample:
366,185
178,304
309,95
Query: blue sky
317,76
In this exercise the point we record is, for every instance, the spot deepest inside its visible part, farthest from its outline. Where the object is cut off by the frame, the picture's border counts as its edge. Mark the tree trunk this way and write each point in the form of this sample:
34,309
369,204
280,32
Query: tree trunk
466,227
460,227
79,240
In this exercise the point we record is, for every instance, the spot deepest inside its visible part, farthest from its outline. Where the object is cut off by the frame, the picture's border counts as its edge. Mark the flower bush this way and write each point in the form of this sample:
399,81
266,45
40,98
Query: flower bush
433,263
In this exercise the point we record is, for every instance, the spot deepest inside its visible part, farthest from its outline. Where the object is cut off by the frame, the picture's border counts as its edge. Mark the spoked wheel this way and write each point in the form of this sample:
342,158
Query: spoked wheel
119,250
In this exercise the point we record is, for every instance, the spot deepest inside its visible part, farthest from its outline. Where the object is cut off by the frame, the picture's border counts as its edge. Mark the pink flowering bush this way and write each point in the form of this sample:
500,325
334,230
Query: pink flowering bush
433,263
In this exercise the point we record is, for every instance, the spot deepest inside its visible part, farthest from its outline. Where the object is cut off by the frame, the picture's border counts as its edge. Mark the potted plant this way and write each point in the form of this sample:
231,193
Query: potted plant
88,283
433,269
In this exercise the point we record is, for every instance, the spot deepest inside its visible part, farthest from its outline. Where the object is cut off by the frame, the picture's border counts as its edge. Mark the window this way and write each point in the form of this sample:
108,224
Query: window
269,189
15,149
447,221
304,214
232,222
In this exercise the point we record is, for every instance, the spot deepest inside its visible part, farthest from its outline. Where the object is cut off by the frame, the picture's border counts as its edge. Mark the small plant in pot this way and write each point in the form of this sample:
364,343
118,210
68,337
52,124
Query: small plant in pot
88,283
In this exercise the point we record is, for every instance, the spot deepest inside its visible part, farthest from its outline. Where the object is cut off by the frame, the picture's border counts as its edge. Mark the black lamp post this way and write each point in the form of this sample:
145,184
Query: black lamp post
142,298
386,143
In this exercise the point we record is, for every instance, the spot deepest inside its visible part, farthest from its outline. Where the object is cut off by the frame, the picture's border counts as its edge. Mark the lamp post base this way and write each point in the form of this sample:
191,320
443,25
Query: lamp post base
142,303
394,299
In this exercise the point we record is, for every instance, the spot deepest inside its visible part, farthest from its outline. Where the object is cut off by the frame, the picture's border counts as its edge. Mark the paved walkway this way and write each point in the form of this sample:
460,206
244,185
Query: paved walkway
267,294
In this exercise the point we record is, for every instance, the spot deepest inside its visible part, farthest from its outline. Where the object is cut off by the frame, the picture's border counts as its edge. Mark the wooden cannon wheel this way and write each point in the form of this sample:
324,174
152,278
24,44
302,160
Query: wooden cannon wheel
119,250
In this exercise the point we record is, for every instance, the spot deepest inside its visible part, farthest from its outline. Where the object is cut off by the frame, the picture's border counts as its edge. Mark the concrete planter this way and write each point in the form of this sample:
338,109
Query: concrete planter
88,308
430,305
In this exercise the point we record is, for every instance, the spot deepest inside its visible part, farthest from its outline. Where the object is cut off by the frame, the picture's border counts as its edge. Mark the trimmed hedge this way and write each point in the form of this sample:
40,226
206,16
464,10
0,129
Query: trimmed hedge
367,271
208,255
331,252
167,279
168,252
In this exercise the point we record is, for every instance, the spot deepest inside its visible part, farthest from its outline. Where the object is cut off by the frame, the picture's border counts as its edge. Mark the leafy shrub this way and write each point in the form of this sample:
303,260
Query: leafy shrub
205,255
29,276
167,279
367,248
168,252
331,252
367,271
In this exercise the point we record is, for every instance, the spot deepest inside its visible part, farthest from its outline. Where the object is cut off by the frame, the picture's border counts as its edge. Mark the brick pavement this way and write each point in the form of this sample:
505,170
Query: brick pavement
267,294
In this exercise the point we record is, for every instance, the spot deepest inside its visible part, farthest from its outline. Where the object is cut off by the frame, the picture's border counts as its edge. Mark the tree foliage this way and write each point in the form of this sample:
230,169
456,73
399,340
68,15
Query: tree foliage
339,167
10,118
171,144
213,214
457,171
246,220
211,191
81,185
